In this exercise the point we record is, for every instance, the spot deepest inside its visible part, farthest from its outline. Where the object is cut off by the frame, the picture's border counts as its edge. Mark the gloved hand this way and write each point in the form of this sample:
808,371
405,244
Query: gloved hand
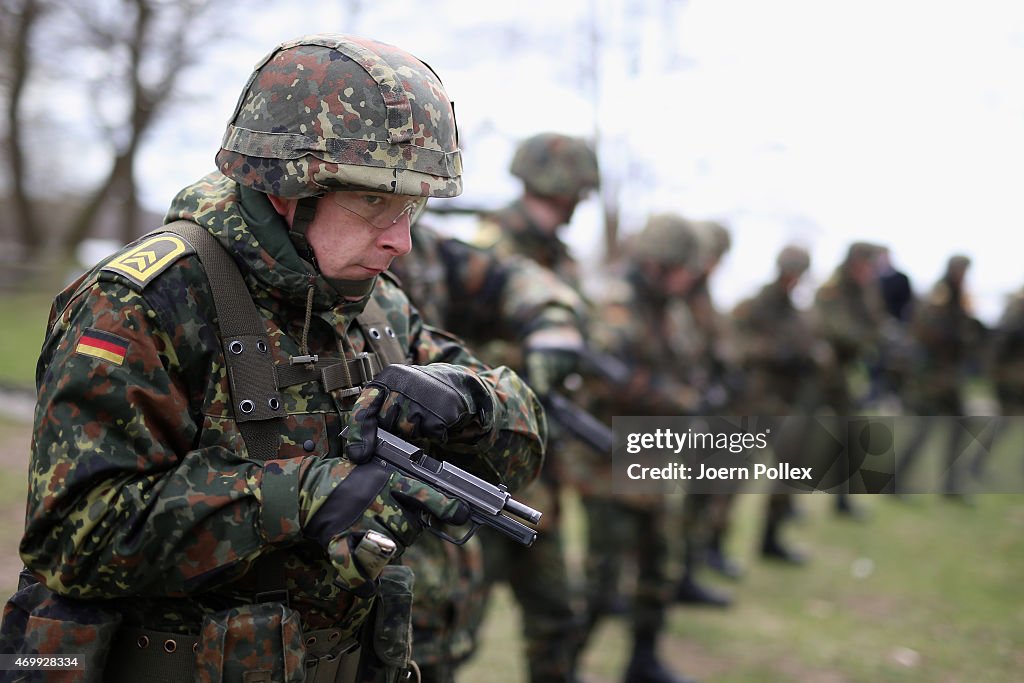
367,498
439,402
550,356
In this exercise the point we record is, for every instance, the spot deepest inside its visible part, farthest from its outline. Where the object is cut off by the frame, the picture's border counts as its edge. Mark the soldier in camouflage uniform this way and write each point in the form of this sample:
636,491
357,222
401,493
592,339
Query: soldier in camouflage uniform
1006,369
713,373
557,172
947,336
848,315
1007,357
481,297
635,326
157,538
779,355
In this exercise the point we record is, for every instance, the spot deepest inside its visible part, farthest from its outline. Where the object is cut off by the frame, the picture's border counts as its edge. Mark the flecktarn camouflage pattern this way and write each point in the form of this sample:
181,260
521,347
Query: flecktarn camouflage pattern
298,132
556,165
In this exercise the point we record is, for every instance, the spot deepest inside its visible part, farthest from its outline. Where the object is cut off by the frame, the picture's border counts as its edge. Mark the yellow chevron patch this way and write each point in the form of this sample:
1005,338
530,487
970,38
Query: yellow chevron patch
149,258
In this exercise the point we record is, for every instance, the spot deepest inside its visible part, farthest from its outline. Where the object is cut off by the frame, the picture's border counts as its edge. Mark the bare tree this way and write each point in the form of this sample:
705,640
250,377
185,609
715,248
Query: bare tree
149,44
19,20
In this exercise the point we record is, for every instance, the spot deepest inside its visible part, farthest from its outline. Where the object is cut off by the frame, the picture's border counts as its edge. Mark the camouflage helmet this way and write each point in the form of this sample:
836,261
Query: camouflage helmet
330,112
863,251
555,165
958,263
669,239
714,238
793,260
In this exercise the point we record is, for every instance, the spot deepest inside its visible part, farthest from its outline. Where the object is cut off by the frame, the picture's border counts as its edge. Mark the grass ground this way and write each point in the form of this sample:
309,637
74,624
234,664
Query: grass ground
23,315
925,590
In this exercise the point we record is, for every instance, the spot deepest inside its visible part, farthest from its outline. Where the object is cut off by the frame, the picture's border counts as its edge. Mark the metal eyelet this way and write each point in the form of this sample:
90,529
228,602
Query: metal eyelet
195,647
374,333
390,332
334,636
261,346
247,406
274,404
236,347
170,646
142,642
311,641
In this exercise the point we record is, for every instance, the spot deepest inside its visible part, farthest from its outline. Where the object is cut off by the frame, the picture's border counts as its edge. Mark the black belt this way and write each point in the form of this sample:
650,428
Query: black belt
154,656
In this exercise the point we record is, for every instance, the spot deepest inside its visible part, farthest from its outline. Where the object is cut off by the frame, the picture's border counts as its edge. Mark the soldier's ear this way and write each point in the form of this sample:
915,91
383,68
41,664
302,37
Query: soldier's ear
284,206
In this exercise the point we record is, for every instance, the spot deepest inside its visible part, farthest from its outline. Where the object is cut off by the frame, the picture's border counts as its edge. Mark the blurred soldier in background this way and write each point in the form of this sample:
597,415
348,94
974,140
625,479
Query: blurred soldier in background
635,326
712,371
557,172
848,314
896,289
1006,368
481,297
888,371
780,355
949,337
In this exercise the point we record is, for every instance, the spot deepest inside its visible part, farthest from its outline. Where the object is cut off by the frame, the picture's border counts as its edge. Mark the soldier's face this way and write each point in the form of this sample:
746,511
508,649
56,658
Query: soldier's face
677,280
356,235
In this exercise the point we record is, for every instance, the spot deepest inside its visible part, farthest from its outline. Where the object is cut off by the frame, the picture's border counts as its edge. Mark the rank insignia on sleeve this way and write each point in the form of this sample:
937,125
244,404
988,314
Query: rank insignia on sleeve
149,258
102,345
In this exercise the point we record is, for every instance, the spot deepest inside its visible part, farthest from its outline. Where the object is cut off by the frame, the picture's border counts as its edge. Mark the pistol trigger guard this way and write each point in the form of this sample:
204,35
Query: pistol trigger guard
445,536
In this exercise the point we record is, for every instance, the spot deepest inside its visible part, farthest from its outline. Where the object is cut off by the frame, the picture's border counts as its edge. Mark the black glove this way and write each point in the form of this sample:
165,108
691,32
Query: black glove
367,498
439,402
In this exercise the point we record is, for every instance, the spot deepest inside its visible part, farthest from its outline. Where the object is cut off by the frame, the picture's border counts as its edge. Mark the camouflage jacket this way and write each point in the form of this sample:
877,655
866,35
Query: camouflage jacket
946,336
635,326
1007,359
141,493
848,317
481,295
511,231
776,350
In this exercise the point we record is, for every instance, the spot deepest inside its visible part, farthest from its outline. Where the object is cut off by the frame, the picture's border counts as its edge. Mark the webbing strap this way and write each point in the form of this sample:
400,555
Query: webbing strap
256,400
331,373
379,334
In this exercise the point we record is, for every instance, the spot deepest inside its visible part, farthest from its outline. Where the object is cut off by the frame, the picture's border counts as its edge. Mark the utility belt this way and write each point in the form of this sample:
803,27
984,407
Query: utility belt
263,642
139,654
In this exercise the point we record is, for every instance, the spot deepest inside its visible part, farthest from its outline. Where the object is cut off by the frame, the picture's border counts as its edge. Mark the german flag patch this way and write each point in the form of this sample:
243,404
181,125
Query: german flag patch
102,345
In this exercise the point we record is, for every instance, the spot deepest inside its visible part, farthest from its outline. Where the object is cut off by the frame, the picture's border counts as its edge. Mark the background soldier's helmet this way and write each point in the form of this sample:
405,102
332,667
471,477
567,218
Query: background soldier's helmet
793,260
863,251
329,112
670,240
714,238
555,165
958,263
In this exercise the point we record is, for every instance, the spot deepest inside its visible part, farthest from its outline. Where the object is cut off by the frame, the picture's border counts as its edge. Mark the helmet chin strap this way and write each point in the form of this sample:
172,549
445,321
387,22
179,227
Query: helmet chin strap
352,289
305,212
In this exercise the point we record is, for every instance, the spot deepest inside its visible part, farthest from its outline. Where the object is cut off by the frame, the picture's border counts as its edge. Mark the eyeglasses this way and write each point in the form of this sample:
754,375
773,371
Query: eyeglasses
378,209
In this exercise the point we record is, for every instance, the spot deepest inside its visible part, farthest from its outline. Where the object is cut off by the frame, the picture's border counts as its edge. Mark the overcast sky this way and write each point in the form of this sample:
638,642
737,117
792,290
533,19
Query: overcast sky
814,121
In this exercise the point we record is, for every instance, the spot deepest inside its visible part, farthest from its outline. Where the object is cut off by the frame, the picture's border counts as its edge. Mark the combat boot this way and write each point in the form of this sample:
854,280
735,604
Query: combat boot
772,549
718,561
645,667
690,592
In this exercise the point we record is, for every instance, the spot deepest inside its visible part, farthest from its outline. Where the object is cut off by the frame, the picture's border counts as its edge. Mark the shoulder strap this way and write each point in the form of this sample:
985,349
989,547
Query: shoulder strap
255,397
380,335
